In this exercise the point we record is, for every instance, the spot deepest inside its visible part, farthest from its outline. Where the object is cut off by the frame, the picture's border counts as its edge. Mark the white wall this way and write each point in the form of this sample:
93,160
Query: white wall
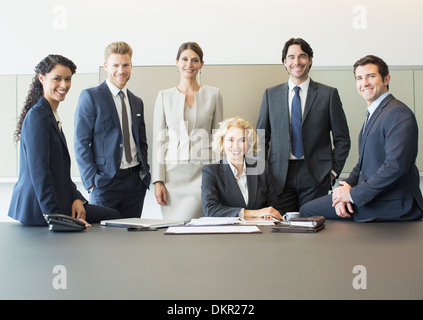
230,31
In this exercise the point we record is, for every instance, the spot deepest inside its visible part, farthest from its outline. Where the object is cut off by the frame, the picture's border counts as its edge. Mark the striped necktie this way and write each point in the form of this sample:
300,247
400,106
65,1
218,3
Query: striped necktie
365,121
125,129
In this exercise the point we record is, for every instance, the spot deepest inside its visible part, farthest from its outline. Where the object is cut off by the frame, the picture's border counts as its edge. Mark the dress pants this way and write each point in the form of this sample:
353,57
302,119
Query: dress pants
323,207
125,193
300,187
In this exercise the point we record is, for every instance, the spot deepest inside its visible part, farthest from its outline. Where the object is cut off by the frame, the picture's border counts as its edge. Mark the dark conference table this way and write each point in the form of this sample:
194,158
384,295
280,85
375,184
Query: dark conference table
112,263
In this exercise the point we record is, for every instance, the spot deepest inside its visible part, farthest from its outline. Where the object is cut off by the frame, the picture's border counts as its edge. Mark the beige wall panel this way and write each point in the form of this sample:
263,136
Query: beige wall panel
22,87
354,106
402,86
418,89
8,163
243,86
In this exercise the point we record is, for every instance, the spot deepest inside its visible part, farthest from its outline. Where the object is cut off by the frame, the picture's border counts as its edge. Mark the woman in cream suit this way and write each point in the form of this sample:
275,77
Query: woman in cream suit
184,117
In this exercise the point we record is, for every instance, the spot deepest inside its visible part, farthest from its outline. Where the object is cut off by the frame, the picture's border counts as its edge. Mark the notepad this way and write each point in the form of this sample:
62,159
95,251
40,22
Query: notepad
301,225
307,221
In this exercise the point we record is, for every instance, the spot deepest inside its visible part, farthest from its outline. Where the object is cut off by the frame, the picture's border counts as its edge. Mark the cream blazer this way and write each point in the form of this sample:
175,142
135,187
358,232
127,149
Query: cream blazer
171,140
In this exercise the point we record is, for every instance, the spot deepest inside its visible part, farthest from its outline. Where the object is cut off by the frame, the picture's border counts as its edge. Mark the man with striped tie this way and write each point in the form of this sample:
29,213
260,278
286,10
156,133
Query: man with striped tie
299,117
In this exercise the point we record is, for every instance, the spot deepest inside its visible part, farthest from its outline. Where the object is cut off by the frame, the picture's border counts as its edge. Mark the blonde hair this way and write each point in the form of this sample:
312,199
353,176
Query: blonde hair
250,135
119,47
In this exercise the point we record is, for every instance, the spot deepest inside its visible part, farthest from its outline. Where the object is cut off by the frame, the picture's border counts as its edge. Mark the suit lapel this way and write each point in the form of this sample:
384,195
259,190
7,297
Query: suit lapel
232,184
363,135
55,125
252,182
109,103
284,110
311,96
56,128
184,135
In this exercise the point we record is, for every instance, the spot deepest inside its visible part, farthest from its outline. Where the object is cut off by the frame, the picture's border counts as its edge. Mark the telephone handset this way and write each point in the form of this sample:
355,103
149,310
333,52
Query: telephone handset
62,222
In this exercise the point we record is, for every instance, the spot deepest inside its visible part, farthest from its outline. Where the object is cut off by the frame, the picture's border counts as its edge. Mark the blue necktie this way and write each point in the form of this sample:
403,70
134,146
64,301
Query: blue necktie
296,122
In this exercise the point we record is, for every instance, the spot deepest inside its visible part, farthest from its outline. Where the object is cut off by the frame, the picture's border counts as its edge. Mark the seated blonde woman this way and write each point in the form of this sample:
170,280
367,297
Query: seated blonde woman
238,185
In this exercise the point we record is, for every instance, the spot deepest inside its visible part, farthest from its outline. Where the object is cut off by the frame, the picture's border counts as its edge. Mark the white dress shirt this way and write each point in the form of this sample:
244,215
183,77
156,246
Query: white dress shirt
242,184
115,93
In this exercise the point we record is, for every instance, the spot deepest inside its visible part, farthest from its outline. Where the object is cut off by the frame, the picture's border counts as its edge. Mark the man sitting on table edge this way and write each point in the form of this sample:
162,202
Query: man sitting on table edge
384,184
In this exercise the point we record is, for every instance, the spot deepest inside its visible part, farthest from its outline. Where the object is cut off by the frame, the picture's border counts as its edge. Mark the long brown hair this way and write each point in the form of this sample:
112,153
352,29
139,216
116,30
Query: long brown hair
36,87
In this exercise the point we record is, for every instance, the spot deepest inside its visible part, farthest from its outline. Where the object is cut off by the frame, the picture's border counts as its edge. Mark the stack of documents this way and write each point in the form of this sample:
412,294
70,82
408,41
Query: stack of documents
214,225
213,229
213,221
230,220
302,225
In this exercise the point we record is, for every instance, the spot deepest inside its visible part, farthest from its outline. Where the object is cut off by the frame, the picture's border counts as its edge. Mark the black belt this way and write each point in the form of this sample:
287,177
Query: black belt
126,172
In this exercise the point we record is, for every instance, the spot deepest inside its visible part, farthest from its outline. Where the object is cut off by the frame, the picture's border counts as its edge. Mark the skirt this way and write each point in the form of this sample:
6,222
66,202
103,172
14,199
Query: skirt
183,185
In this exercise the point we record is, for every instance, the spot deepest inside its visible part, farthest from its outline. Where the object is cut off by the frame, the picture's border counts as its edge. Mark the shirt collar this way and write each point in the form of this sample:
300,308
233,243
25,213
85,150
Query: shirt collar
235,171
115,90
303,86
377,102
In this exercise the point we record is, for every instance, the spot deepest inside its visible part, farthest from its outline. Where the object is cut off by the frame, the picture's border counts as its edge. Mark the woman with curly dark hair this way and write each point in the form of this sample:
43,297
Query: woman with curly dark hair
44,185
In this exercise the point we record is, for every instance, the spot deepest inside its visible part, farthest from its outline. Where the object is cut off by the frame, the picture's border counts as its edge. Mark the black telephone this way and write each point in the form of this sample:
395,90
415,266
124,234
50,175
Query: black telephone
61,222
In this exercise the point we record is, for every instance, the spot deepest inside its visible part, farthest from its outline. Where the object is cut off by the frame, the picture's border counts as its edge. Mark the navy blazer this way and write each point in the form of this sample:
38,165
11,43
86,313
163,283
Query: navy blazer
44,185
221,196
385,182
98,136
323,115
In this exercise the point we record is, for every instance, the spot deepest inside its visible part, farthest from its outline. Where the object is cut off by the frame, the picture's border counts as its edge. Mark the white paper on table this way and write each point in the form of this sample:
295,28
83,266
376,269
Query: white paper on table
209,221
213,229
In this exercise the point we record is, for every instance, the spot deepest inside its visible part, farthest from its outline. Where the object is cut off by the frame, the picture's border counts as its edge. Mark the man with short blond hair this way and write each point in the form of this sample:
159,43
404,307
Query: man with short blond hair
110,138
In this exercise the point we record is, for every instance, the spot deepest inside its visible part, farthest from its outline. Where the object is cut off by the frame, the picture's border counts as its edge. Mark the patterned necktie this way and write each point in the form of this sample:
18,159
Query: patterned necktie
365,121
125,130
296,123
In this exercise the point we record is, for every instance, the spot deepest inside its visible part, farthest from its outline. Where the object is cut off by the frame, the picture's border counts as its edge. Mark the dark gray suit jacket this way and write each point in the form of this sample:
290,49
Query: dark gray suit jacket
323,115
385,182
221,196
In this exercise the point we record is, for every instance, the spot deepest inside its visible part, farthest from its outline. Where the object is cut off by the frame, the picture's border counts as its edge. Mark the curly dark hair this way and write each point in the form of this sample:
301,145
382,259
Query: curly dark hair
36,88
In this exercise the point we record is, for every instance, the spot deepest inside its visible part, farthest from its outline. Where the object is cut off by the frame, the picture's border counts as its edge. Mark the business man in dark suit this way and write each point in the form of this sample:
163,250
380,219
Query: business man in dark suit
384,185
110,138
299,117
238,186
